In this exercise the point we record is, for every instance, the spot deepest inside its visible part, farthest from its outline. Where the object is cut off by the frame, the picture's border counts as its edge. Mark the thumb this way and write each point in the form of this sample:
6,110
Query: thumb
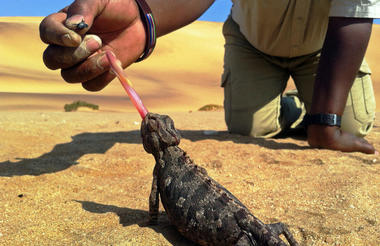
81,14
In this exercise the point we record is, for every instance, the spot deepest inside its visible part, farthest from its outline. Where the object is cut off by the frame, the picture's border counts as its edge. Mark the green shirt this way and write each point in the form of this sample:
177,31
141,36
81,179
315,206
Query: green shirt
291,28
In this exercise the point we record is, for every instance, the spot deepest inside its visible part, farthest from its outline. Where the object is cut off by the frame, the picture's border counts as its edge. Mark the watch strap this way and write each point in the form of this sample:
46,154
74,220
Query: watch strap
323,119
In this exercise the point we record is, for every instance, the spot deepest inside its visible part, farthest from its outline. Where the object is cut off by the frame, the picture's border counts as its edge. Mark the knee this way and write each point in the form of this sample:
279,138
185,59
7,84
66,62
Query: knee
361,127
359,115
252,124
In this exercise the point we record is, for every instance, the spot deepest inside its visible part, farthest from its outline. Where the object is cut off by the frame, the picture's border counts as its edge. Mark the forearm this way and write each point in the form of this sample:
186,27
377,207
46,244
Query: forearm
342,53
171,15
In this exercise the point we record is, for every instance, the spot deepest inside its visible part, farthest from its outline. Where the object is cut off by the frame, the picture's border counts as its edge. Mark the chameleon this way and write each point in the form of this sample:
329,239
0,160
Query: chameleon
200,208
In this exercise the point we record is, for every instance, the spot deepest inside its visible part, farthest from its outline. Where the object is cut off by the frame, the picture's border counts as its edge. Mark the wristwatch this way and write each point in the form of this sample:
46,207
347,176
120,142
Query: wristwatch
323,119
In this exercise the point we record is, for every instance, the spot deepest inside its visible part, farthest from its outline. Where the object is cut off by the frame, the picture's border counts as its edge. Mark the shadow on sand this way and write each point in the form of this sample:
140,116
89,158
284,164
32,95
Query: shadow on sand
65,155
129,216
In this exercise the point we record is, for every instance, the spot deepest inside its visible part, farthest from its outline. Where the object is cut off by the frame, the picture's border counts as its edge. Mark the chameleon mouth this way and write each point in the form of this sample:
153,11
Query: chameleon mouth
158,132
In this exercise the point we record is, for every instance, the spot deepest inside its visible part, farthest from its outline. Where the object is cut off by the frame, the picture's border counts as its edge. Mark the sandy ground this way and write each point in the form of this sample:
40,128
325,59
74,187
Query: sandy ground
83,178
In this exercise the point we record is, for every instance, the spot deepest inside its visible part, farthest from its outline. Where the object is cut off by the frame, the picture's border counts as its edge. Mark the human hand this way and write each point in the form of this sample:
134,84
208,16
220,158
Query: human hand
80,54
332,137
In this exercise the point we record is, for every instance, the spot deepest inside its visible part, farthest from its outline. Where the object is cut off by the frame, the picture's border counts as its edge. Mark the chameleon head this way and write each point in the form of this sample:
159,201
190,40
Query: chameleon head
158,132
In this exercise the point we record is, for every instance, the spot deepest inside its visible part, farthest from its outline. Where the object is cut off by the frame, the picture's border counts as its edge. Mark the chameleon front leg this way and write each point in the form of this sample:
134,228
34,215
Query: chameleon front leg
246,239
281,228
154,199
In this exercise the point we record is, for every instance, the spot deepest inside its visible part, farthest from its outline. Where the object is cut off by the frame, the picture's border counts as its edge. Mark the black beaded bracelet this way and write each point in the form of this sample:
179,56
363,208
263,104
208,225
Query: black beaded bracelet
150,28
323,119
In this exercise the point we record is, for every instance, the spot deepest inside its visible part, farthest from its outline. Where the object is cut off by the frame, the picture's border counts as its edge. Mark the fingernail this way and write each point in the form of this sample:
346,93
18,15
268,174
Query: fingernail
93,43
73,21
102,62
89,45
67,39
71,41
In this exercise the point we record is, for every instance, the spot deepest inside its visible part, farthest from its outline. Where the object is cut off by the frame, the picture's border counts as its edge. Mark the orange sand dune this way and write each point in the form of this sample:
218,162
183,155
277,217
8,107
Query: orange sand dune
373,58
183,73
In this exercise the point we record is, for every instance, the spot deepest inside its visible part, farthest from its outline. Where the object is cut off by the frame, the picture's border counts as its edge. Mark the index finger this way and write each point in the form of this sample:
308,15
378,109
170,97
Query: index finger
54,31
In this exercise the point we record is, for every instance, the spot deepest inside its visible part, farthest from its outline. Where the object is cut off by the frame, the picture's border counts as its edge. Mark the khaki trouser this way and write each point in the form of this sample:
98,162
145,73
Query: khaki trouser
254,83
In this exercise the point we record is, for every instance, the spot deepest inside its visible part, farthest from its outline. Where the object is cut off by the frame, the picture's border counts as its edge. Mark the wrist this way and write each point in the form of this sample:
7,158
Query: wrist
322,136
322,129
323,119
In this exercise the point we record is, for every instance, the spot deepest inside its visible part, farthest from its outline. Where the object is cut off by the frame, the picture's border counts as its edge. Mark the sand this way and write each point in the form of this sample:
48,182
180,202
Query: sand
83,178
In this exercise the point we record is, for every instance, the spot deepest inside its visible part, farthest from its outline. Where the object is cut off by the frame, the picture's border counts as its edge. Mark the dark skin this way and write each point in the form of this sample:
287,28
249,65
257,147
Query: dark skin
342,53
117,26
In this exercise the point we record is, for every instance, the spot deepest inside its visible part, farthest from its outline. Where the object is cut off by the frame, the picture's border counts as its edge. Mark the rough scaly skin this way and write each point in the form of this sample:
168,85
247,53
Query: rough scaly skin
201,209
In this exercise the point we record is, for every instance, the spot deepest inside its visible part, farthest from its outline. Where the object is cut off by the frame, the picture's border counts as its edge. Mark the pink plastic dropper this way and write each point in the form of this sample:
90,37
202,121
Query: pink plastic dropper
118,70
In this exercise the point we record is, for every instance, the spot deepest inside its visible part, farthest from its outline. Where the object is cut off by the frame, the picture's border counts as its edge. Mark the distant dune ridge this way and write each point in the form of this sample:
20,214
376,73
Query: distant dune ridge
182,74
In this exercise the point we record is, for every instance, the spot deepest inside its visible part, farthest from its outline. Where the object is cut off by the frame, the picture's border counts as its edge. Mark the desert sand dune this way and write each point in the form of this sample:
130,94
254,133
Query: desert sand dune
183,73
83,178
180,76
